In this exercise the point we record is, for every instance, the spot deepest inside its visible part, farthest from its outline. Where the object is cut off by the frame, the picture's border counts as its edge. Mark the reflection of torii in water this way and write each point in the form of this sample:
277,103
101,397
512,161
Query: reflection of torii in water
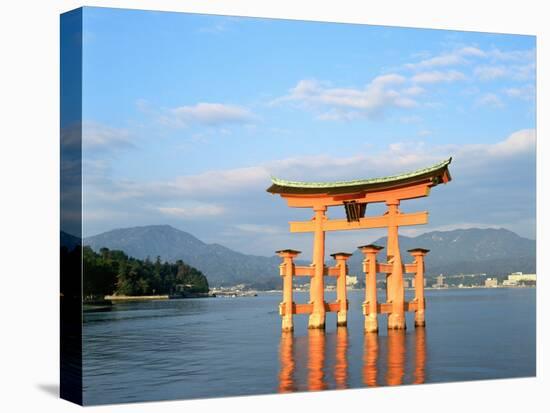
355,196
396,361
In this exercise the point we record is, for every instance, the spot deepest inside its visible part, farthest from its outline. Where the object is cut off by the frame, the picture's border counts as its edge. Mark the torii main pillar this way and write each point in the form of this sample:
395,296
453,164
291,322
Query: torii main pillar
317,285
394,279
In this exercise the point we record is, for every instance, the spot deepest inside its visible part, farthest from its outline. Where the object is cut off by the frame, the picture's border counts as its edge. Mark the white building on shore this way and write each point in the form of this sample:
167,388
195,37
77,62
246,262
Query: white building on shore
351,281
517,278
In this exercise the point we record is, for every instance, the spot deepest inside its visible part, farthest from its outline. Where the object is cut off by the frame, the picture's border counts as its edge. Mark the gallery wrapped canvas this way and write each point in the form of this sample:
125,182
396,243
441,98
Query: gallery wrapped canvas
255,206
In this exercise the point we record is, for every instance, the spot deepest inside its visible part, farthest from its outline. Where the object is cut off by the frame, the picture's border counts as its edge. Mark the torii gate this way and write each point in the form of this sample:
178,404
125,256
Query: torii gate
355,196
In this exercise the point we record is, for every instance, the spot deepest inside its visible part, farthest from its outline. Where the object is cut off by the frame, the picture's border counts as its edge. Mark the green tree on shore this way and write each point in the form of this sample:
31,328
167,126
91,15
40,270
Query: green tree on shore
113,272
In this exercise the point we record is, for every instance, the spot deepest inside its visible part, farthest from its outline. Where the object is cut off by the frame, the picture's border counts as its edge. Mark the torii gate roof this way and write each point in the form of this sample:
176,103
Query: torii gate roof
437,174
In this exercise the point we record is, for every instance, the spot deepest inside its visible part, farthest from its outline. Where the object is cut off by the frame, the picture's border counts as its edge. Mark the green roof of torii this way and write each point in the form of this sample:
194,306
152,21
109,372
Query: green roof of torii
434,172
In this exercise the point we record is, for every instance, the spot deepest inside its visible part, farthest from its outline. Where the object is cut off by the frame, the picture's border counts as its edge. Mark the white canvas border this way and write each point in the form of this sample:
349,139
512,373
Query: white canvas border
30,218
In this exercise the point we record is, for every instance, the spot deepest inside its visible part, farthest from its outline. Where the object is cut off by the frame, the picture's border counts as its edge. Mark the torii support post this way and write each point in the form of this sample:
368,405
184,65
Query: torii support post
394,281
341,294
370,305
287,271
418,255
317,285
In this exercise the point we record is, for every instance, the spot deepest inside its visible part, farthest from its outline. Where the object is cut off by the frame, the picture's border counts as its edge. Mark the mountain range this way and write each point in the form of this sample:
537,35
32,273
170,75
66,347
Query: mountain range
461,251
221,265
466,251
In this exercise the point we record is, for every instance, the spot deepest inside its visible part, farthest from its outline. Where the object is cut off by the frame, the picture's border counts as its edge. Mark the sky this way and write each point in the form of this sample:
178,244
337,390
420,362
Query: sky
185,118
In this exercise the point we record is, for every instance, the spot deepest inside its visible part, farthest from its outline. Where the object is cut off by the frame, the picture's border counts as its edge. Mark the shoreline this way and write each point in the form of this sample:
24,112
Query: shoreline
129,298
135,297
478,287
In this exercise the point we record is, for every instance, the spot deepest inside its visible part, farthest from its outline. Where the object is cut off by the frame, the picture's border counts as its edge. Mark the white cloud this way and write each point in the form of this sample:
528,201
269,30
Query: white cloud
216,182
438,76
389,79
524,92
98,136
410,119
472,51
453,58
414,90
442,60
223,184
460,56
215,28
261,229
381,94
314,167
512,64
144,106
471,158
99,214
477,191
220,24
210,114
512,55
490,72
393,91
490,99
196,211
513,72
523,141
523,72
424,132
208,185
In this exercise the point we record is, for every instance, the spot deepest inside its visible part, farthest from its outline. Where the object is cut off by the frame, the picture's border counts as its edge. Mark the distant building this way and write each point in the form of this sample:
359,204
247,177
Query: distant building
519,276
351,281
491,282
439,282
406,283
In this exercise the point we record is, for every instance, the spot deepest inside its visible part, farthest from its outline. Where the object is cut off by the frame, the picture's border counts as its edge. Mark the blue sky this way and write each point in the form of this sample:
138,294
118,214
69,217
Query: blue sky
186,116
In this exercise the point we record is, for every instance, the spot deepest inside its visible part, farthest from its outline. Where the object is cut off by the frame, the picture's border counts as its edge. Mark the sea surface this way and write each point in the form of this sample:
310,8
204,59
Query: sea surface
215,347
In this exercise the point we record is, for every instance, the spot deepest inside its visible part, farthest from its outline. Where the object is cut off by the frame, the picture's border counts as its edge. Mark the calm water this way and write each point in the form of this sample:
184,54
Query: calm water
216,347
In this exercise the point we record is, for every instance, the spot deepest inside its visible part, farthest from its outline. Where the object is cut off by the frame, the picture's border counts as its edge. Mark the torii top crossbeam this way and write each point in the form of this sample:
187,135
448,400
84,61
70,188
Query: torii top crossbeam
356,194
361,188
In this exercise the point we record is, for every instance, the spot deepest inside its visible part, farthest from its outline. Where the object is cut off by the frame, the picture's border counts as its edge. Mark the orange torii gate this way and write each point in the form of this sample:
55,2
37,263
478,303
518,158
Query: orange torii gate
355,196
